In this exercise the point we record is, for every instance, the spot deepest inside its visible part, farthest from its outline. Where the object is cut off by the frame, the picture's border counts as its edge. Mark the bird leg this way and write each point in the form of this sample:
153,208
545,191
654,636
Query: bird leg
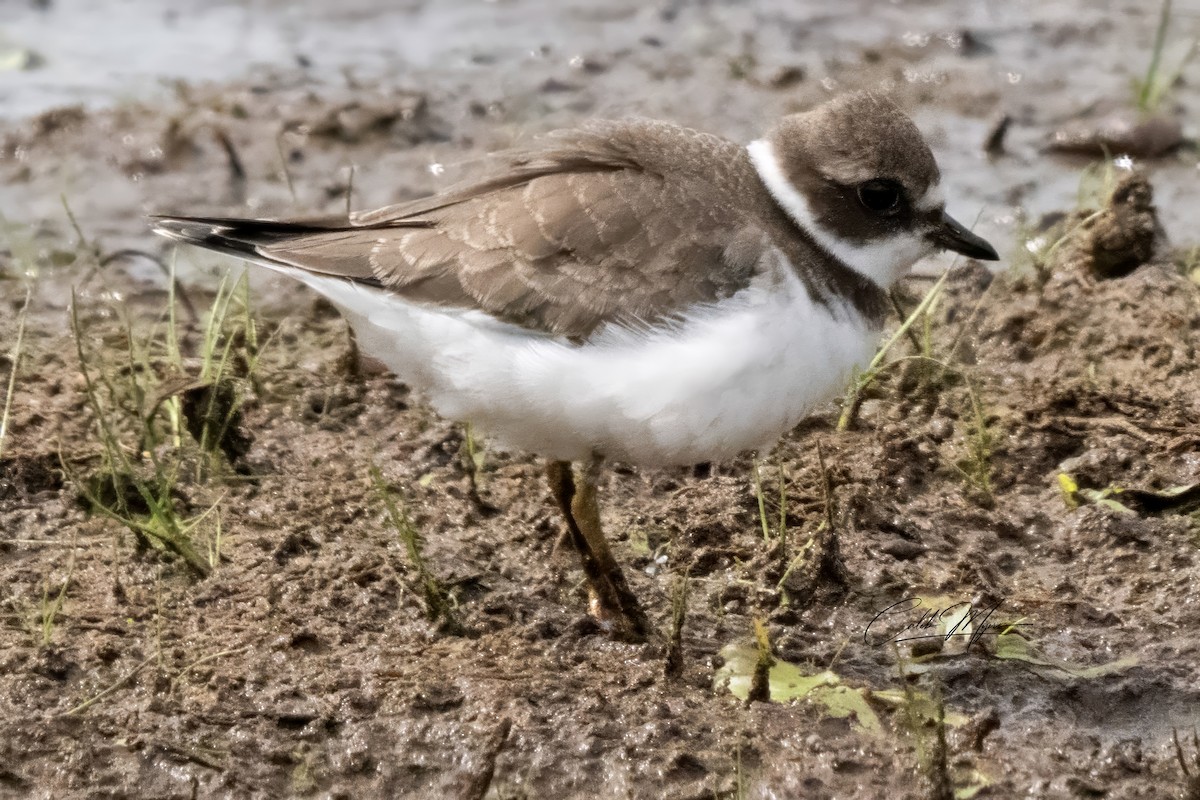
609,598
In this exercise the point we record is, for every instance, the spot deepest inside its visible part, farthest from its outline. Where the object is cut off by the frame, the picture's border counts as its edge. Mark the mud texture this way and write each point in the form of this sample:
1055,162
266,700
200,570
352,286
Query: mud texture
1033,447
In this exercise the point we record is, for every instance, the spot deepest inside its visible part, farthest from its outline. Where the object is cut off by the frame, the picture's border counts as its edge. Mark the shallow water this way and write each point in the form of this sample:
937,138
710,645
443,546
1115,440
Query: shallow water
959,64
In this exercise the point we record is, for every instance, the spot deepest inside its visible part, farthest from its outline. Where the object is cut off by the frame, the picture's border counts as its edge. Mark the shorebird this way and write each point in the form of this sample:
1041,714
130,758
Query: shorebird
632,290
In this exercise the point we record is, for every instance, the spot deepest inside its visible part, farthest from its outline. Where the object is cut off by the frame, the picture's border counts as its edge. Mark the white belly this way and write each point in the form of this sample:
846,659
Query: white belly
729,378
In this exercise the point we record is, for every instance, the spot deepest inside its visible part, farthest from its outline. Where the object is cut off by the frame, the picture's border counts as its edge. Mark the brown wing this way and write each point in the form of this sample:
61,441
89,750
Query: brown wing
567,252
619,222
592,227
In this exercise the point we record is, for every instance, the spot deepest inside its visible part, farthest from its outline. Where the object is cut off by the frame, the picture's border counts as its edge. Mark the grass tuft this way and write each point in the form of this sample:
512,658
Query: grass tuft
474,458
52,606
976,466
206,398
780,502
14,361
1153,88
819,559
164,418
439,605
283,165
135,488
879,364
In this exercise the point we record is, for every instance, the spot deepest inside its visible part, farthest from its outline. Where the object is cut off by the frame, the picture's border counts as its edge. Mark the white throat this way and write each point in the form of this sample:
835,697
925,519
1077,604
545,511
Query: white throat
882,262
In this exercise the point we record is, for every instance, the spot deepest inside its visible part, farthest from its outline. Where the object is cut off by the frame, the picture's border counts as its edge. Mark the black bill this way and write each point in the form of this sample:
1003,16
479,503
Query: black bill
951,235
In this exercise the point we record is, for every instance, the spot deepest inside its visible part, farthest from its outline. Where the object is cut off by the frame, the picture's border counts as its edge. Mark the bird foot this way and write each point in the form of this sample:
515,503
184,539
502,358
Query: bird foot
623,621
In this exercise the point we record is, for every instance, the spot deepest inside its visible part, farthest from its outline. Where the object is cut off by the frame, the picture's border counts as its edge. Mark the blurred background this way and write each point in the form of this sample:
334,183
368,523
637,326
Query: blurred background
1017,97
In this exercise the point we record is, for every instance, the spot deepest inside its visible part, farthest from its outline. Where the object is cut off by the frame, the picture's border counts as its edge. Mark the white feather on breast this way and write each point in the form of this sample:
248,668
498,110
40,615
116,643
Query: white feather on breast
729,377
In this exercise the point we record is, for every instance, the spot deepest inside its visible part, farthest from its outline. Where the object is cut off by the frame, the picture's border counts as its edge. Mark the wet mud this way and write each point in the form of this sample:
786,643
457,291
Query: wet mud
240,560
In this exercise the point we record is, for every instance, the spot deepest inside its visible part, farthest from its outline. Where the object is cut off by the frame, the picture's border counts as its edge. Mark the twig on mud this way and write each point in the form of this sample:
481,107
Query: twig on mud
760,681
1191,779
679,599
287,173
895,300
74,222
86,704
103,261
204,660
783,508
938,769
826,487
1113,424
237,173
189,754
49,543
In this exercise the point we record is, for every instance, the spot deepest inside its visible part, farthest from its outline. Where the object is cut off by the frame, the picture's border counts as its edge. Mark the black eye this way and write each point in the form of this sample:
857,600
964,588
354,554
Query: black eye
882,197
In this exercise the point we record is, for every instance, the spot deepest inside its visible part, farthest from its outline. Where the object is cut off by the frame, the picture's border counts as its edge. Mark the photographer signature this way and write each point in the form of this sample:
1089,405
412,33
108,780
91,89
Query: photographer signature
906,620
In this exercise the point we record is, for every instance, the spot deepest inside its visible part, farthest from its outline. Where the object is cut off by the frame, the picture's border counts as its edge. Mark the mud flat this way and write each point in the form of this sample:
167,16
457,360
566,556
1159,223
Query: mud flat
239,560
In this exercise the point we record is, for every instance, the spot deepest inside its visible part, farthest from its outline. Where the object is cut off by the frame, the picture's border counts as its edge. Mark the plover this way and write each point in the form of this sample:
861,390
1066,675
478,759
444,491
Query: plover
632,290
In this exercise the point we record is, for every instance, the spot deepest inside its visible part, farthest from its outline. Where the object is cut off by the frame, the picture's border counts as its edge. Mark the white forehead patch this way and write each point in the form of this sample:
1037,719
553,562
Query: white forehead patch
933,198
881,262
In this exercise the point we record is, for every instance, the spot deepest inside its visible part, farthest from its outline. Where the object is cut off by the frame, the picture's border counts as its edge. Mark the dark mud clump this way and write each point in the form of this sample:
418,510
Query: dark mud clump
213,414
1121,132
1118,238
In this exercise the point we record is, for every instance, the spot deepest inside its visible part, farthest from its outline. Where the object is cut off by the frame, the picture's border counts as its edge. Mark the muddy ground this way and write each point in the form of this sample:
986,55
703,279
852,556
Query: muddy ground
294,655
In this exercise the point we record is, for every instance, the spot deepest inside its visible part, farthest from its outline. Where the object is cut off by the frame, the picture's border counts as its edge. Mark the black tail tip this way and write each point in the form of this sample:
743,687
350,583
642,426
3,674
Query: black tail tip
210,234
181,230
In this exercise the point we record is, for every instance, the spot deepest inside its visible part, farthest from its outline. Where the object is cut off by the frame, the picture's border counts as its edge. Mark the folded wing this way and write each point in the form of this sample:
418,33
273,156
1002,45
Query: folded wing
563,240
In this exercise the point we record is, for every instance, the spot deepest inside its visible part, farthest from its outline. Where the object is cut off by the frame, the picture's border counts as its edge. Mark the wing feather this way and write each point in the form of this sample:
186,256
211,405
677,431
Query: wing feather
567,238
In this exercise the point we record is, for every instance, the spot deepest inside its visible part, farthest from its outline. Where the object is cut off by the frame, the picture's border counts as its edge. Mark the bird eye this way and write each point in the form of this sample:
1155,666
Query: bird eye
882,197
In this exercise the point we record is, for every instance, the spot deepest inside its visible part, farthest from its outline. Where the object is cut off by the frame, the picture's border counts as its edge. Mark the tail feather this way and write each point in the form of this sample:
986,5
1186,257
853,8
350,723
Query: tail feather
325,246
